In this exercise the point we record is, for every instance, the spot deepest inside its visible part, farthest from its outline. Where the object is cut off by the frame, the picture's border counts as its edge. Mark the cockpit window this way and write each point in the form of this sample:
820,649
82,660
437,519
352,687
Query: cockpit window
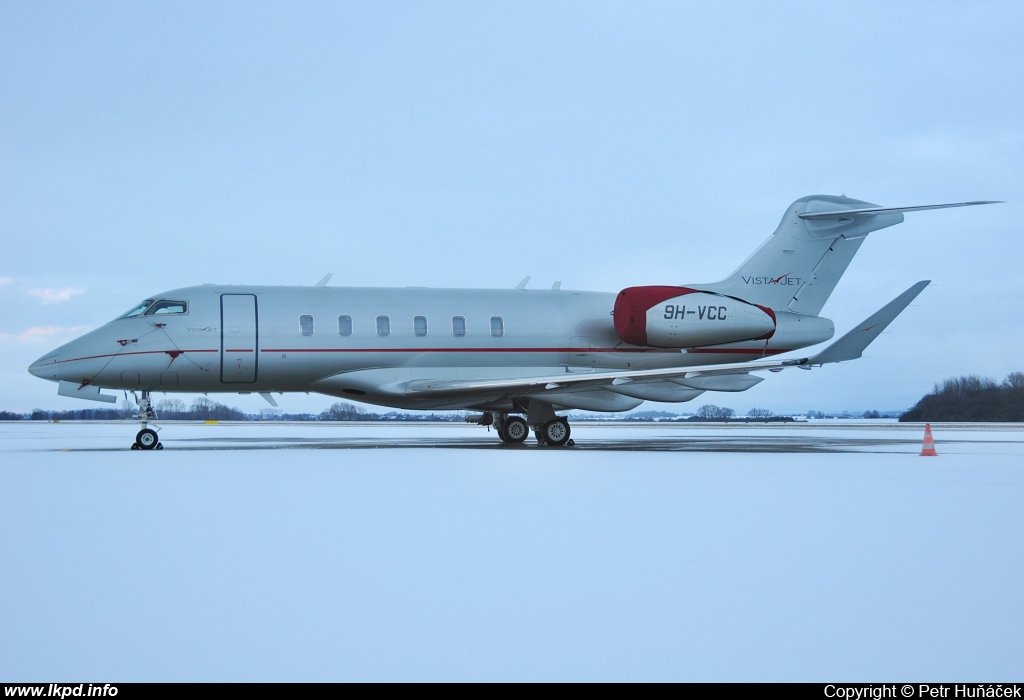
166,306
138,309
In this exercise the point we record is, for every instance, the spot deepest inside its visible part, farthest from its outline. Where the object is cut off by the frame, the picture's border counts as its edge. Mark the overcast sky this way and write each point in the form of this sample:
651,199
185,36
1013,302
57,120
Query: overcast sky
147,146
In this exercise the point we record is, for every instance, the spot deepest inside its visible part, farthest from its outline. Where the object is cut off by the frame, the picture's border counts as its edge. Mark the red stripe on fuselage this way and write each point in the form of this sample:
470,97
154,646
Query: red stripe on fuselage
707,351
576,350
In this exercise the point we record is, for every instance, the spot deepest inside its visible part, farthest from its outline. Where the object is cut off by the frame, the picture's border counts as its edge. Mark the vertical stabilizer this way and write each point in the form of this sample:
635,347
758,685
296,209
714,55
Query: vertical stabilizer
799,266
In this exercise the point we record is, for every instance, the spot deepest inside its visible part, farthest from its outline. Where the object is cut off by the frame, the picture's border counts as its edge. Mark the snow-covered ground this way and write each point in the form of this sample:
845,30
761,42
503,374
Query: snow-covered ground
413,552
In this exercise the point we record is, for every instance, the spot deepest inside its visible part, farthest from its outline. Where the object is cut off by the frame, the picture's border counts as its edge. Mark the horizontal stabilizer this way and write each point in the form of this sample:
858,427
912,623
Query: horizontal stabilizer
874,211
85,391
851,346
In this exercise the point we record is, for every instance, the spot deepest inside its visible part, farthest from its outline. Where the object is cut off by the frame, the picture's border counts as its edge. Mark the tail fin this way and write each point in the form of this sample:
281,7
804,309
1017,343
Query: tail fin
799,266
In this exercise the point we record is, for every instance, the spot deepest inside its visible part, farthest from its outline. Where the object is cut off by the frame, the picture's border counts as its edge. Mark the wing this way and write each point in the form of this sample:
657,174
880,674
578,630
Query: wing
726,377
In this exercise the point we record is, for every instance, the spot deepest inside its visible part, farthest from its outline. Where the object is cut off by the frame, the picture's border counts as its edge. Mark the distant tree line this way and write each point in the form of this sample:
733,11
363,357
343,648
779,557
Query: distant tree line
202,408
635,417
846,414
84,414
972,399
346,412
712,412
170,409
342,411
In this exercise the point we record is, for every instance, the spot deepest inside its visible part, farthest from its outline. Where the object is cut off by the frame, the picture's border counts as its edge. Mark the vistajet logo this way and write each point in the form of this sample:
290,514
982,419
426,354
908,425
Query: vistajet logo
785,280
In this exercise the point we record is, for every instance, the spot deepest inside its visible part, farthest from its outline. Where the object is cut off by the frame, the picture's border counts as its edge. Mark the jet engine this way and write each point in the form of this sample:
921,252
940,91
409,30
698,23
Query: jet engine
680,317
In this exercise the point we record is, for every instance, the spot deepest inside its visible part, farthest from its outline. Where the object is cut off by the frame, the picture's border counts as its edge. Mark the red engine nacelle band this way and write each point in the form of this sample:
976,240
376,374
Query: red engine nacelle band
631,307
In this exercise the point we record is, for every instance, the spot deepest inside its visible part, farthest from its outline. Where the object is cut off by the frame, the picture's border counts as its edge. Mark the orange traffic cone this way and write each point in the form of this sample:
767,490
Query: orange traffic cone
928,450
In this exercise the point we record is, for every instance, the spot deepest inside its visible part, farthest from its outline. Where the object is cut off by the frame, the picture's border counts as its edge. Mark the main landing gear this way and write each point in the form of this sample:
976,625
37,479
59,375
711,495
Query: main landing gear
554,432
512,430
146,439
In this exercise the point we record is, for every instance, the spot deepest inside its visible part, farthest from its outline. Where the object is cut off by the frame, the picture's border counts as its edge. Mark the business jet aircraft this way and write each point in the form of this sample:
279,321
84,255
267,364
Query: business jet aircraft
519,355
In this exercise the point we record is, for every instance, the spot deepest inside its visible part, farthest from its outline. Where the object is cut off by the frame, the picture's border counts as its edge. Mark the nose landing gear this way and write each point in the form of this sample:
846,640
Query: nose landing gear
146,439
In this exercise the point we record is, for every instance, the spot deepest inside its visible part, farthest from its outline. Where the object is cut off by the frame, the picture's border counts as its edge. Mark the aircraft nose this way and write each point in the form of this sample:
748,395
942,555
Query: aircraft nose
47,367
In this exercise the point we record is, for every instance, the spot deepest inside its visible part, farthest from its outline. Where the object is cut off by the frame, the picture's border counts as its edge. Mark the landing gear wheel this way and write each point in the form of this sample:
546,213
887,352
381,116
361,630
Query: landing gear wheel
556,432
502,435
515,430
147,439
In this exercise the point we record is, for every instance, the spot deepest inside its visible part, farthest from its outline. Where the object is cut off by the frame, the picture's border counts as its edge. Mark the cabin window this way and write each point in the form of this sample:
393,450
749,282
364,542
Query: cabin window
497,326
383,326
166,306
306,324
344,325
458,326
419,325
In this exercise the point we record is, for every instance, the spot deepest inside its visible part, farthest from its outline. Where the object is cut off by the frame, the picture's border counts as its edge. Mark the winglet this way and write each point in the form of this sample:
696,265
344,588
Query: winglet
851,346
325,280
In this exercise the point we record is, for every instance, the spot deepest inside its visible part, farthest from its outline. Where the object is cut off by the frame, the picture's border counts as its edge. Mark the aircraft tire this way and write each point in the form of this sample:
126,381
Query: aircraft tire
501,434
556,432
515,430
147,439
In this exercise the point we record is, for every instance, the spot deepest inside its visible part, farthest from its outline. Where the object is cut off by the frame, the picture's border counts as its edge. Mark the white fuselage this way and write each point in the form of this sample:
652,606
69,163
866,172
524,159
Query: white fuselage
369,344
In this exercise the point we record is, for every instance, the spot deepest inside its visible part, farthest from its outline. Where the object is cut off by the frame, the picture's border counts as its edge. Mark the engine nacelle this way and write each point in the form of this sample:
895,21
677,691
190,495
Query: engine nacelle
680,317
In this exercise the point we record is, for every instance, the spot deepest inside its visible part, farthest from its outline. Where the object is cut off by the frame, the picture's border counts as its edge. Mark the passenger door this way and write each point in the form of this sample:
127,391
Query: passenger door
238,330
